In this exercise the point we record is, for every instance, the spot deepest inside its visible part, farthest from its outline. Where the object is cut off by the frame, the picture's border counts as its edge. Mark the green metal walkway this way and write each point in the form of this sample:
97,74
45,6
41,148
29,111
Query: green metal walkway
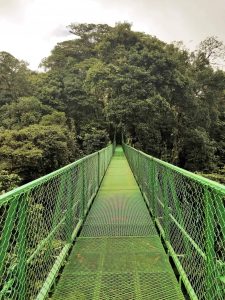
118,254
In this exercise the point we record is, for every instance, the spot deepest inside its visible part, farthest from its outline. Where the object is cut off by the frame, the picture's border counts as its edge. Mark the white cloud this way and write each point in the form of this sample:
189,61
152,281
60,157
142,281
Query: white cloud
29,29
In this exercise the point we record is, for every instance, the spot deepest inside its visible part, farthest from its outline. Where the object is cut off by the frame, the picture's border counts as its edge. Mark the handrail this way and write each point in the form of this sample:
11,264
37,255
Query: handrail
39,221
189,211
196,177
28,186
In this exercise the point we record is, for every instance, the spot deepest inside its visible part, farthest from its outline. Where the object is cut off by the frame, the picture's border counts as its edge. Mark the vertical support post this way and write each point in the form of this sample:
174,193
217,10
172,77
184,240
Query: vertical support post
83,189
105,158
99,179
22,238
103,163
179,212
209,243
152,186
114,142
57,209
166,205
7,232
138,171
69,212
220,214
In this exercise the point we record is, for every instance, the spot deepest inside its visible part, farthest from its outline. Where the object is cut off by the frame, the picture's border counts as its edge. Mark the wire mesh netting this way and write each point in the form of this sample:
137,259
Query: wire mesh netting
39,221
118,254
189,210
118,268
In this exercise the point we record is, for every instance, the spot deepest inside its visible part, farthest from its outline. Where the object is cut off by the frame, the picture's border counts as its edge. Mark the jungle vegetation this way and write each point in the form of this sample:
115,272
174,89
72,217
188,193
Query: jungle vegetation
167,100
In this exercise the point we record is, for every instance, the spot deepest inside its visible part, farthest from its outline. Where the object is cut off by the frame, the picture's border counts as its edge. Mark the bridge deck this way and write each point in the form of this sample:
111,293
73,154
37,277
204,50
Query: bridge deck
118,255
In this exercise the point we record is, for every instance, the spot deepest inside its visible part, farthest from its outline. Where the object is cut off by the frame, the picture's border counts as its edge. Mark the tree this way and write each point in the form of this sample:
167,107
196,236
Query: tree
23,112
36,150
8,181
168,101
198,152
14,78
213,49
209,53
93,139
91,32
114,77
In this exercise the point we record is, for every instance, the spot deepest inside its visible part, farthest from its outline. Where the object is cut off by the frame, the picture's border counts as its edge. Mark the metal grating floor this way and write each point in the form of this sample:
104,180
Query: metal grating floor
118,255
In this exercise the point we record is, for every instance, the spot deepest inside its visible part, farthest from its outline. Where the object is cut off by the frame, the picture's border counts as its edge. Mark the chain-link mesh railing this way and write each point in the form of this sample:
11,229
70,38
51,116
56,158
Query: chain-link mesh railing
189,211
39,221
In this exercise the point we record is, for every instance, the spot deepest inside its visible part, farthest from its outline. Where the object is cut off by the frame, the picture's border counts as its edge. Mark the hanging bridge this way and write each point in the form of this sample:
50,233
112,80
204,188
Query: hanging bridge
115,225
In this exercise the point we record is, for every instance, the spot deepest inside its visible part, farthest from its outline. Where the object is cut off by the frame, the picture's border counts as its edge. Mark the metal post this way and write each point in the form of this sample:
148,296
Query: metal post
83,190
69,211
22,237
99,179
152,189
57,209
7,232
166,205
105,161
179,212
138,168
220,213
209,243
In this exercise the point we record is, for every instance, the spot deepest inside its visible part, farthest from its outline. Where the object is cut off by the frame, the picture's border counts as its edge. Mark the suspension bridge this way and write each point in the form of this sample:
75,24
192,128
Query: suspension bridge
115,225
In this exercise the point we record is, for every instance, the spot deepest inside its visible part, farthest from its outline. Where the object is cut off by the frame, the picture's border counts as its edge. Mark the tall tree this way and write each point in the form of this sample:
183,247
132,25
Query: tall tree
14,78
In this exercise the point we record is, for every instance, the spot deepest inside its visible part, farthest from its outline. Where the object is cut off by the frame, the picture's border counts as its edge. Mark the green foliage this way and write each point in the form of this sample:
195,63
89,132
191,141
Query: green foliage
48,88
212,49
198,151
23,112
215,176
94,139
90,32
14,78
36,150
55,118
8,181
155,123
167,101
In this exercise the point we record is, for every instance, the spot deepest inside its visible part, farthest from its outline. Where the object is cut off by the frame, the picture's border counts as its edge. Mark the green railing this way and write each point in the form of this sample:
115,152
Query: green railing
39,221
189,212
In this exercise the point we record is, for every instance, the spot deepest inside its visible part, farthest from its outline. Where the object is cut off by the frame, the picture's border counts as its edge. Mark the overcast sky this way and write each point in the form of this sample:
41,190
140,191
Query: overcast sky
29,29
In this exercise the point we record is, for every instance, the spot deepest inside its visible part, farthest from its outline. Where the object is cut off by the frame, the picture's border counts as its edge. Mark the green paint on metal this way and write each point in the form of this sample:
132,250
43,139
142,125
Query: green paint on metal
166,207
177,204
193,230
152,193
69,210
22,247
7,232
38,223
118,254
26,187
210,240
